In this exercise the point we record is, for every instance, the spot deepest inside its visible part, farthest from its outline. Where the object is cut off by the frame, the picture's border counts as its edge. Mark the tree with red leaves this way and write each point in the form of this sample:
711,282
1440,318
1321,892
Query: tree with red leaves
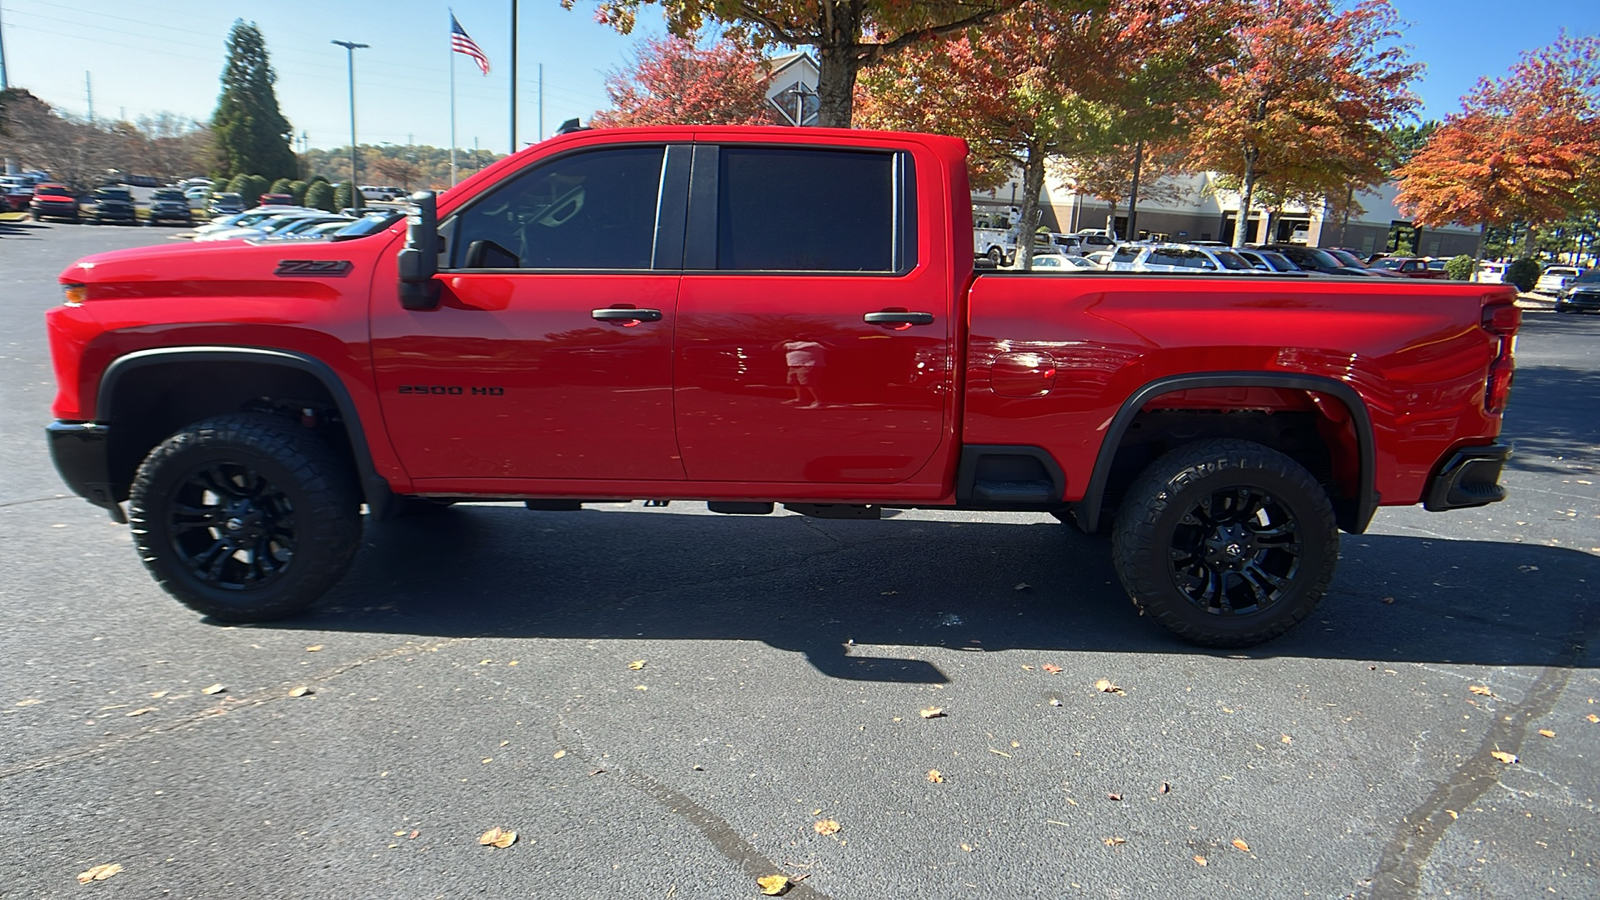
1051,80
1523,149
1302,105
849,35
674,82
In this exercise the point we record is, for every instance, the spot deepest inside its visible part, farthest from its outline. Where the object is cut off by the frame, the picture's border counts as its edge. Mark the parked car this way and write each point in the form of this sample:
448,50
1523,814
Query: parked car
1095,237
16,192
250,217
277,200
1410,267
53,201
1582,294
1266,260
1100,258
197,193
1056,262
272,224
1176,258
1555,279
112,204
169,205
1490,273
225,203
318,232
1354,262
1312,259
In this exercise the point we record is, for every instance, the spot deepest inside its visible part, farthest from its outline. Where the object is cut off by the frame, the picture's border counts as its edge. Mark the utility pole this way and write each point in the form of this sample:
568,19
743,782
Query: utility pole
541,101
513,76
88,93
350,48
4,83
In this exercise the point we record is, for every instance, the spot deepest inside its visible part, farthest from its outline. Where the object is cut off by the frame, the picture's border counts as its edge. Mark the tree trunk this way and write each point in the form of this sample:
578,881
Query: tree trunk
1267,216
1133,195
1247,192
1032,185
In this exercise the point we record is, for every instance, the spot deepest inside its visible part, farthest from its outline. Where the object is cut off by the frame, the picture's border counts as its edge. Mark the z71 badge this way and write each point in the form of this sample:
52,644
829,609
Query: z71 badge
322,268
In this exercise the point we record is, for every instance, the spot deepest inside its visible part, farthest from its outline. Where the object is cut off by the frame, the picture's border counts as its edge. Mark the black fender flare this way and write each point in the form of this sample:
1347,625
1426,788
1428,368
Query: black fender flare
381,501
1353,518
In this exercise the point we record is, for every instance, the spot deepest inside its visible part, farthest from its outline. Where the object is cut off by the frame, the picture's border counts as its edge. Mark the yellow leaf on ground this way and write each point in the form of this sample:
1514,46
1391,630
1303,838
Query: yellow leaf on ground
1286,739
935,776
773,885
932,712
1592,717
313,648
1480,690
141,711
636,664
214,689
157,695
1241,845
825,827
29,702
558,754
1105,686
1507,758
99,873
1113,841
300,691
1200,861
1547,732
1052,668
966,848
498,837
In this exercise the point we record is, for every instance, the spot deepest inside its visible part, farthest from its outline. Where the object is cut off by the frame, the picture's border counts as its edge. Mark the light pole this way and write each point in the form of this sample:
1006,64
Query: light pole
350,48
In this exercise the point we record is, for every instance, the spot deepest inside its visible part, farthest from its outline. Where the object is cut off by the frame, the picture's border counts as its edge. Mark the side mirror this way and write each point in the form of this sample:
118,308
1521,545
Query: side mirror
418,262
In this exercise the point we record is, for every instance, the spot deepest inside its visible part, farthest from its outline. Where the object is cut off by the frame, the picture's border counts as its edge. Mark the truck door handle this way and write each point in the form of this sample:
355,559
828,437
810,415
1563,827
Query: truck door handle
898,317
626,315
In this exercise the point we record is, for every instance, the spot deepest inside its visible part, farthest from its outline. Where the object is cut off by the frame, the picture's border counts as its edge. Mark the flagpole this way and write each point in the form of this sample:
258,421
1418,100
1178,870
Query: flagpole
452,99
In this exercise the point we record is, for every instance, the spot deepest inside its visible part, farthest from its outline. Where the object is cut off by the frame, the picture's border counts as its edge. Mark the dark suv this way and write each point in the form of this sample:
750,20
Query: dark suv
1582,294
53,201
1313,260
226,204
169,205
112,204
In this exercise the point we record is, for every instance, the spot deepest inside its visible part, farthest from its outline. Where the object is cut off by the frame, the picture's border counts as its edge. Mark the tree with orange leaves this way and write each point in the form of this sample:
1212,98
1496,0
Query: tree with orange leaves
674,82
1051,80
1302,105
1524,149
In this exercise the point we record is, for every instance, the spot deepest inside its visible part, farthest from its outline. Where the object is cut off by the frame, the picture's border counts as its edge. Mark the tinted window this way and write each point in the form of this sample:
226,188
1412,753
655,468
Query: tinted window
1125,254
1231,260
783,209
594,210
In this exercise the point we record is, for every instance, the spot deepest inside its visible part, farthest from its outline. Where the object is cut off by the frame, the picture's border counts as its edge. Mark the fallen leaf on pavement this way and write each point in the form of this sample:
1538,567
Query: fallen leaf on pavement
1389,600
1055,701
597,772
300,691
413,835
1022,586
1113,841
1286,739
498,837
1113,796
157,695
313,648
214,689
1052,668
932,712
1481,691
1200,861
558,754
1105,686
139,712
1507,758
636,664
1547,732
1241,845
1027,668
1592,717
935,776
29,702
966,848
773,885
99,873
825,827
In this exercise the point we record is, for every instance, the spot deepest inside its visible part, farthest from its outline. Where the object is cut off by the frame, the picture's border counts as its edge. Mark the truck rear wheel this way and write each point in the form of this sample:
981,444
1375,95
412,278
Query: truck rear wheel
1226,543
245,518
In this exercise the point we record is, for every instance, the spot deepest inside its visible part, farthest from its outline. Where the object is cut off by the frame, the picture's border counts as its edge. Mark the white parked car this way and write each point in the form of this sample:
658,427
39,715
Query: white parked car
1490,273
1556,279
250,217
1176,258
1054,262
271,225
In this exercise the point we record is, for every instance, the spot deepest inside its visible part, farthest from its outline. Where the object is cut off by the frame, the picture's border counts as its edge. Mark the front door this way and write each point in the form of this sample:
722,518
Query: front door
811,347
550,356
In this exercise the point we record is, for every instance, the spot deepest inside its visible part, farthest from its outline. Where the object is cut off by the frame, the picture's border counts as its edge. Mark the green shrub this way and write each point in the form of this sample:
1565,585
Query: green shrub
342,196
319,195
281,186
1460,268
321,178
297,190
1523,273
258,186
239,184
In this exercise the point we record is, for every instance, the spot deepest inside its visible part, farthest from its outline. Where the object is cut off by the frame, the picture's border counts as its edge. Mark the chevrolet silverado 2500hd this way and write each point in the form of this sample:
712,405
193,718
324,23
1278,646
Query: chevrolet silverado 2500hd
753,316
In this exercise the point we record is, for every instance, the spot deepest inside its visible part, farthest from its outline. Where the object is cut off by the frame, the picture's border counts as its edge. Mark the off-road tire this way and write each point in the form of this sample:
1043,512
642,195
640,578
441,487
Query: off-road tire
1193,555
245,518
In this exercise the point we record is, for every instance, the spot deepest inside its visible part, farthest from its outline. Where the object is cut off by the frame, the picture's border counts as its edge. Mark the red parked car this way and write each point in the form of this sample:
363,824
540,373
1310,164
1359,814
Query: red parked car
53,201
752,317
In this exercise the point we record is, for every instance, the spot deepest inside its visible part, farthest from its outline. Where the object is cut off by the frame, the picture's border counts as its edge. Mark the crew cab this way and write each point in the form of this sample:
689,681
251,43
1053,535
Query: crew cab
751,317
53,201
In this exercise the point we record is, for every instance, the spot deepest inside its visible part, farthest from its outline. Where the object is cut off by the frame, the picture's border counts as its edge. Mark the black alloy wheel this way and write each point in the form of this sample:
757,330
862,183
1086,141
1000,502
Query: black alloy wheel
1226,543
245,518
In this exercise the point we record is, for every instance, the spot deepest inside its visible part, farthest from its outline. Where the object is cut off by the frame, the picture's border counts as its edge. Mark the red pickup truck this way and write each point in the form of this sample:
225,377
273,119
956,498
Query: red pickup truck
753,316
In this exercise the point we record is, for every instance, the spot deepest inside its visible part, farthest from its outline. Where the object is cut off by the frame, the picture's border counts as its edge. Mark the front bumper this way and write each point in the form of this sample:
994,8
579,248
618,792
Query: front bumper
1469,477
80,452
1585,301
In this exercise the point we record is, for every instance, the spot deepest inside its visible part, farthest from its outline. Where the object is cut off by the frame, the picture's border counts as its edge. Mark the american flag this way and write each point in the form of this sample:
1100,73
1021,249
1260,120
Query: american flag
461,43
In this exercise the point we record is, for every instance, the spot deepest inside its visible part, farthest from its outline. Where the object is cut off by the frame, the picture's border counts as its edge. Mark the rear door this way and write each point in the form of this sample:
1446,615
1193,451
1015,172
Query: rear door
813,346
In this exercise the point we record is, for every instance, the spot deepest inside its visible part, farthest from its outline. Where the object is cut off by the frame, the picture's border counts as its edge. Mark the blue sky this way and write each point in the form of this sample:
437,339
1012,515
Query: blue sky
147,56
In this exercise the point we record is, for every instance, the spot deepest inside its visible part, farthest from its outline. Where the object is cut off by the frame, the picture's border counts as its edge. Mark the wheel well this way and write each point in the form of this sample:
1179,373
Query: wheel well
1315,430
151,402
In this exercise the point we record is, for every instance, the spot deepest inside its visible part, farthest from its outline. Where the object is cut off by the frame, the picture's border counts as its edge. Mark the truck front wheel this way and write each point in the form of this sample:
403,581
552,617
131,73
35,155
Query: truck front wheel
245,518
1226,543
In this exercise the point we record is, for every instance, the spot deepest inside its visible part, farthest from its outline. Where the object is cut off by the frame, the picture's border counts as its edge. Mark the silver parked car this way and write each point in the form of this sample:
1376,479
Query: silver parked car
1188,258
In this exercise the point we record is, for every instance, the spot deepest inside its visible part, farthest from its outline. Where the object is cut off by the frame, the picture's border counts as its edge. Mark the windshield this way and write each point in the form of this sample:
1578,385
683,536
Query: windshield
167,195
112,194
1231,260
1346,259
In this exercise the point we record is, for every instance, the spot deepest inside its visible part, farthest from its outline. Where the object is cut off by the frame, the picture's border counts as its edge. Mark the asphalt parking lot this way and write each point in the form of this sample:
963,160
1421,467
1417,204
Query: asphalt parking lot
664,703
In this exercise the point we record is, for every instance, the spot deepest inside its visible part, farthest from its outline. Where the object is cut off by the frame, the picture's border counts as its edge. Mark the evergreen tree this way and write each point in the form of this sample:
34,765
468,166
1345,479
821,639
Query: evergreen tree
343,196
297,190
251,133
281,186
319,195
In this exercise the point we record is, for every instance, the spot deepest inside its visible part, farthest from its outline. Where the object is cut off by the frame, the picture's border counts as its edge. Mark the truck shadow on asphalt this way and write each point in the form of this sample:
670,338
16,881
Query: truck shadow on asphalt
1552,420
833,590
